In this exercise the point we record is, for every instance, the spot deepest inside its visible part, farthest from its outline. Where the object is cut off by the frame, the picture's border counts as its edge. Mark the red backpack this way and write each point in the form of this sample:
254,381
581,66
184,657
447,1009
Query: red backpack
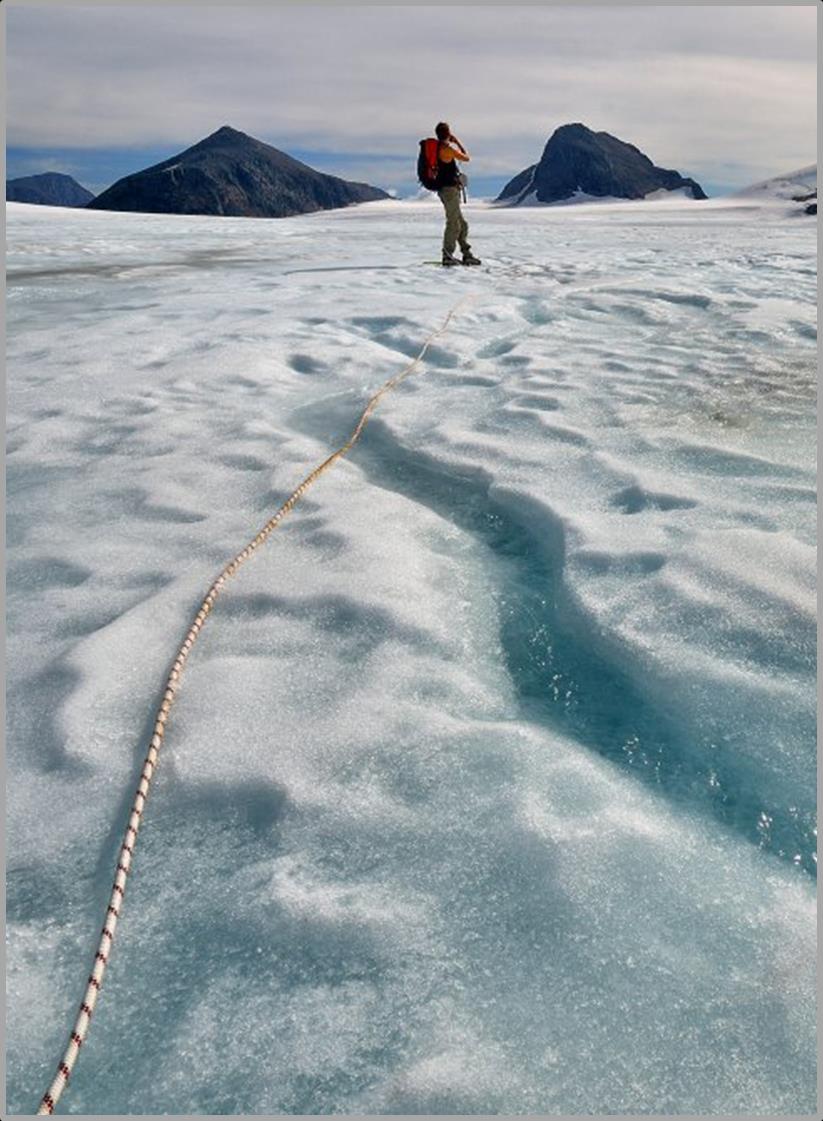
427,166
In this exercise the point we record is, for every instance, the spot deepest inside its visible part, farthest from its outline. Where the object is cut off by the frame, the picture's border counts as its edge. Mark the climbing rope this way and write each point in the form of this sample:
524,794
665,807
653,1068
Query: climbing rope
126,854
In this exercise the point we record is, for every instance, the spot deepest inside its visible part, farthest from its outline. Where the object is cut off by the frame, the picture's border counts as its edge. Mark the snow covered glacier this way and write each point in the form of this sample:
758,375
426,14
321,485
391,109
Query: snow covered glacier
490,785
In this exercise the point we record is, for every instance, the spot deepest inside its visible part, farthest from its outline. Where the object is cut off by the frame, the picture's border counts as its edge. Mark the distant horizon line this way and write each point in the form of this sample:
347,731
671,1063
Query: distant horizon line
133,160
413,194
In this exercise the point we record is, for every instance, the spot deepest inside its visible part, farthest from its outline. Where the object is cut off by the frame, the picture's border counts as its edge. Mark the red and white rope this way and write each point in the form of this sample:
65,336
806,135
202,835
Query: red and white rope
101,958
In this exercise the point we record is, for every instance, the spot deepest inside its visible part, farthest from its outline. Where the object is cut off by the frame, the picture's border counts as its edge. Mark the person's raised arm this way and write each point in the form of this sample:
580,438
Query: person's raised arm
460,152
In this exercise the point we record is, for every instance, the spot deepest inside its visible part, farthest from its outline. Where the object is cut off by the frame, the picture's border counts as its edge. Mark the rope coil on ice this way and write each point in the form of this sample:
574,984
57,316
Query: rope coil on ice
125,856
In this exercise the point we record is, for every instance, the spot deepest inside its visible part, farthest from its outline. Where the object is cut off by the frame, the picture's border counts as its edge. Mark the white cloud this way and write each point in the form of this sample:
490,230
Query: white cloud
694,87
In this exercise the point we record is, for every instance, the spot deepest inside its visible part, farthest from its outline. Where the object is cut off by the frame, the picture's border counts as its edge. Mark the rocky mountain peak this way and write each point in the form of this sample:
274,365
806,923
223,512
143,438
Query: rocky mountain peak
577,161
231,173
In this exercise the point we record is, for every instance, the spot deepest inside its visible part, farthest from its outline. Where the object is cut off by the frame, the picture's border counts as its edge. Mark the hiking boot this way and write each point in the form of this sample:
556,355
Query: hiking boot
449,259
470,259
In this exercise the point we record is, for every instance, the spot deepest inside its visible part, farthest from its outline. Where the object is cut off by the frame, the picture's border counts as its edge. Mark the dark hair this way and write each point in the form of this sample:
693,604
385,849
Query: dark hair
442,131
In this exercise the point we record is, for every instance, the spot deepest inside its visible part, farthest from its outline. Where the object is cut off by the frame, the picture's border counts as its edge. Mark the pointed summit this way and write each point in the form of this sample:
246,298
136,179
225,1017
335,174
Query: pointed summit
230,173
226,134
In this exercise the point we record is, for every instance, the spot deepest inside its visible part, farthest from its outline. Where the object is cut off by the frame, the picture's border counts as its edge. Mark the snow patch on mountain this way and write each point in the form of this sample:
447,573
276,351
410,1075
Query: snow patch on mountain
783,186
797,188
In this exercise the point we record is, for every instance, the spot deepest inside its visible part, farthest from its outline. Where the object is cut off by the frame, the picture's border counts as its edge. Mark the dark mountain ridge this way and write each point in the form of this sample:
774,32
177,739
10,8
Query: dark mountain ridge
576,159
232,174
49,189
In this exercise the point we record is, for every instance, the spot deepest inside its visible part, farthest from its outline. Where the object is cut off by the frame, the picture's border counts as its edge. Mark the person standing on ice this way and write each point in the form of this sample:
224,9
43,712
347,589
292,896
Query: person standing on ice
449,179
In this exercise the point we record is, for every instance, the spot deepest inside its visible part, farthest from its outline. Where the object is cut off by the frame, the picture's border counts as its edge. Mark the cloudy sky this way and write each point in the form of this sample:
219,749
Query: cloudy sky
724,94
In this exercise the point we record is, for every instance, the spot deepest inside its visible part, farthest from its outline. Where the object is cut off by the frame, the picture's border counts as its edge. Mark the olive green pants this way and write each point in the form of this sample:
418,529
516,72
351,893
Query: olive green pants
457,228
